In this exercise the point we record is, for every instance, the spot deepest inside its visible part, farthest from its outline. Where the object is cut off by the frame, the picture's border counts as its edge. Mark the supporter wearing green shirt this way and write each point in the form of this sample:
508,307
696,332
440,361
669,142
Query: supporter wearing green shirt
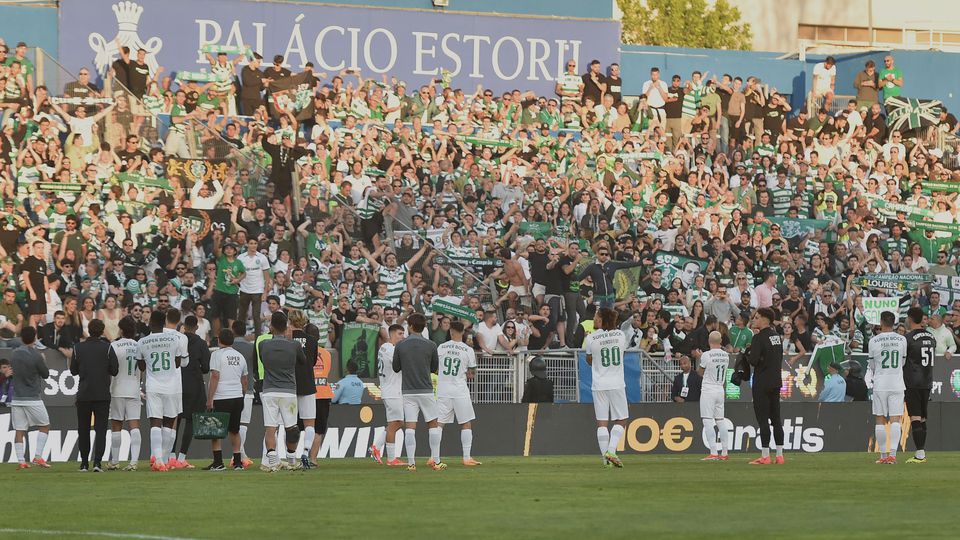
223,305
891,78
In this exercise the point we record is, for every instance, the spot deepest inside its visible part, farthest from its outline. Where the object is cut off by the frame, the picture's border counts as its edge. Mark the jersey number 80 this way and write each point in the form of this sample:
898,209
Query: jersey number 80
610,357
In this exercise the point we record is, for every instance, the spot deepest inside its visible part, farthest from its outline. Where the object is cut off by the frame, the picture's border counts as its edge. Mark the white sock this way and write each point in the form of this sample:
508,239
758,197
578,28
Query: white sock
894,438
380,439
169,435
156,443
243,440
18,447
436,434
410,441
724,426
309,433
273,459
466,441
710,434
115,438
41,444
134,445
881,432
603,439
779,450
765,451
616,432
181,457
921,454
391,449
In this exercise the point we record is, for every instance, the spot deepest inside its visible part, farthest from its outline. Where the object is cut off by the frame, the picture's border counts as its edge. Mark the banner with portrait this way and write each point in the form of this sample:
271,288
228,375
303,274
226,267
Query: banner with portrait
676,265
359,345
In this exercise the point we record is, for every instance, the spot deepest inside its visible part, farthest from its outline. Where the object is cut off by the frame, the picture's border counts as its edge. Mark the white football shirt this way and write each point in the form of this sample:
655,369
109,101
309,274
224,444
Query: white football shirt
232,366
160,351
455,359
606,348
391,383
714,363
126,384
888,352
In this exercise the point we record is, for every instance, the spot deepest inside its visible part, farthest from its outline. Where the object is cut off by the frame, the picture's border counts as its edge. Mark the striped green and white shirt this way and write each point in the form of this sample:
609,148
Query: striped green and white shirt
295,296
780,197
396,280
570,82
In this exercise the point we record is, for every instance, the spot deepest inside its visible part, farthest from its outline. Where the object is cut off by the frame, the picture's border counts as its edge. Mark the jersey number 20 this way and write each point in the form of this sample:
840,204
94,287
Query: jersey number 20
889,359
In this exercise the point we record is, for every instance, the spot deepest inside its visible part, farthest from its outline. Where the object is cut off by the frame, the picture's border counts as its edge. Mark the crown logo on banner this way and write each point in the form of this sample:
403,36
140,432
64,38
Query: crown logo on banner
128,20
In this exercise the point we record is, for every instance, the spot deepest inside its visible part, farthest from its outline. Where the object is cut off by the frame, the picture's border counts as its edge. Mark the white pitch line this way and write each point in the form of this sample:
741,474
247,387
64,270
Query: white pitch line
49,532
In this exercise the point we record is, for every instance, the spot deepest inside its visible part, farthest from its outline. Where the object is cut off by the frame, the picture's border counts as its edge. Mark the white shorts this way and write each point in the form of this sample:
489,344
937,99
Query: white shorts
247,409
30,415
125,408
610,404
521,290
460,407
711,404
394,407
164,405
279,410
539,290
307,407
888,403
415,404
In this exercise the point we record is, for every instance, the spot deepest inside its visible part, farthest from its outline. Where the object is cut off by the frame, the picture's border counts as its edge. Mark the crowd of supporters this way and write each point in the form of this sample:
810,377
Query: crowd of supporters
518,210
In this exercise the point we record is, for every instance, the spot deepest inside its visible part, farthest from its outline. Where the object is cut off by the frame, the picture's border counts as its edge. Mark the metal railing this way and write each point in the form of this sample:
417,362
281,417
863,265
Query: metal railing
837,104
496,379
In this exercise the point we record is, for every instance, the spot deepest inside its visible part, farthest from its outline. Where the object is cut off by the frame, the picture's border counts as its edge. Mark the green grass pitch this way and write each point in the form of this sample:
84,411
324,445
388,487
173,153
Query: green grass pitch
812,496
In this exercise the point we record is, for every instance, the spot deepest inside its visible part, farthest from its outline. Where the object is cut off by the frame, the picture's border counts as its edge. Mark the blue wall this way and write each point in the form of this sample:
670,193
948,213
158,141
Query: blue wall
926,74
37,26
787,76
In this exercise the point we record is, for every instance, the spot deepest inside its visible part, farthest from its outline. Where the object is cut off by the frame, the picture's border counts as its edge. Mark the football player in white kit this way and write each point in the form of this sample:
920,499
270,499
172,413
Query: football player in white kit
458,364
713,369
888,352
159,355
605,349
390,394
125,395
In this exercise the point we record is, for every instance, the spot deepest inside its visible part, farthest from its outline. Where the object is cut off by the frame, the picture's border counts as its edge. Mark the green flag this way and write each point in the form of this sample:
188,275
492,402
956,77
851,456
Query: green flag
359,344
537,229
831,350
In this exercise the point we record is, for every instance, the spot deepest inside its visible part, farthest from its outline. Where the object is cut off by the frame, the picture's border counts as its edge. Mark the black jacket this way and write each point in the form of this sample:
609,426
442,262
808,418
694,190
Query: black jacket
63,338
694,383
766,357
191,376
95,361
856,388
537,390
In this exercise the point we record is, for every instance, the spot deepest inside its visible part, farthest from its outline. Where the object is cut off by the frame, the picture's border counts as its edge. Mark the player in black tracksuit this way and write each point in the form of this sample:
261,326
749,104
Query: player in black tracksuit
918,379
766,357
